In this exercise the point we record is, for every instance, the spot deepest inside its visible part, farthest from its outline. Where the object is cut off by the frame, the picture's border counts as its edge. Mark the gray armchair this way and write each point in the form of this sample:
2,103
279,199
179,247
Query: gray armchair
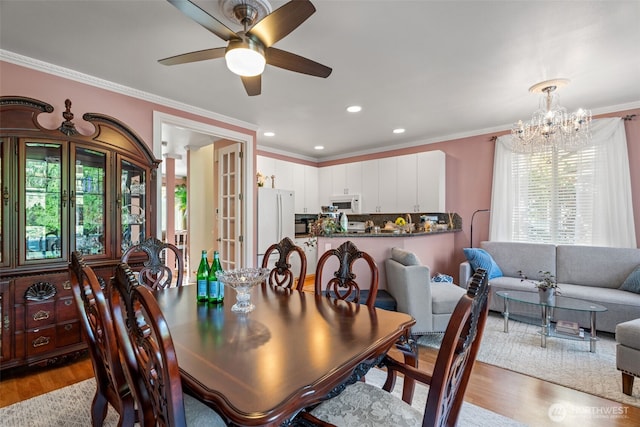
430,303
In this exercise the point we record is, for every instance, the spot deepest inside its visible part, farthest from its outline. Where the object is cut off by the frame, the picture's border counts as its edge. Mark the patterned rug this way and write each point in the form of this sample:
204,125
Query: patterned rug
565,362
70,407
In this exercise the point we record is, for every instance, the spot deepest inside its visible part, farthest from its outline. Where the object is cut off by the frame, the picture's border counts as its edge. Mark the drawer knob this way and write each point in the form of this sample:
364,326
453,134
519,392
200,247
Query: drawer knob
68,327
68,302
66,285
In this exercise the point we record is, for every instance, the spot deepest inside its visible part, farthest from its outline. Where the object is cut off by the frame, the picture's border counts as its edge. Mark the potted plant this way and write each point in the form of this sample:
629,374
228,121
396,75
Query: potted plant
547,286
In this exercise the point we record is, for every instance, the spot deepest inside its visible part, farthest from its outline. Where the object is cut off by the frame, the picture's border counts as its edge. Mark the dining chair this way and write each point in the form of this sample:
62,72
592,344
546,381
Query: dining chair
149,357
364,404
343,285
97,326
281,274
155,272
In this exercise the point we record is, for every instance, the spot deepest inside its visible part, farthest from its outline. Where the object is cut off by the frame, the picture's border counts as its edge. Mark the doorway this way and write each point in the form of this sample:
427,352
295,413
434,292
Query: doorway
202,145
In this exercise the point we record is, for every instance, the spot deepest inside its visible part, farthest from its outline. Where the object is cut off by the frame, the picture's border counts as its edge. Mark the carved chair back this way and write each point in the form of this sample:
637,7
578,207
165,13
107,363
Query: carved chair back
147,350
457,354
155,273
97,327
281,274
343,285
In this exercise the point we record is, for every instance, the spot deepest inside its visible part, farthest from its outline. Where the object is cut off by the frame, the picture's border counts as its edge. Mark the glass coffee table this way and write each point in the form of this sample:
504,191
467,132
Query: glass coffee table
547,326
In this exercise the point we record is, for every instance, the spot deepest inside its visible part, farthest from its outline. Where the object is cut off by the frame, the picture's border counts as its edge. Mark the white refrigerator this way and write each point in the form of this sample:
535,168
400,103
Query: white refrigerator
276,218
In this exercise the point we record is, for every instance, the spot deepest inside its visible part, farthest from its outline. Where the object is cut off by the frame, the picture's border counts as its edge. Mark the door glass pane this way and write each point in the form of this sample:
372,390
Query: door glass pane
5,193
90,201
43,213
133,189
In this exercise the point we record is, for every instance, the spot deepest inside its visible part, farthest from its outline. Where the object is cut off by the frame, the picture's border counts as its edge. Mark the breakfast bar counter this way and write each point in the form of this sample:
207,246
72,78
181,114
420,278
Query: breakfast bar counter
435,249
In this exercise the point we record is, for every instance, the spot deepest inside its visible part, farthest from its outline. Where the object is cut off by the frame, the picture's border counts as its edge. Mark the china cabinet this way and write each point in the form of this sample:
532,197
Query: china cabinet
63,191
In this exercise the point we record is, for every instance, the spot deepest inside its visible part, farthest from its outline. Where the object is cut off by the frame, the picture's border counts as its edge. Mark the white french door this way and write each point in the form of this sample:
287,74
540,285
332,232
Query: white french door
230,238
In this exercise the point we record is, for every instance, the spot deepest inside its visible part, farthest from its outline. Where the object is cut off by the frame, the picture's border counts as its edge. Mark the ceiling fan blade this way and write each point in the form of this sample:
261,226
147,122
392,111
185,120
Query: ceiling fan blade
282,21
253,85
200,55
194,12
292,62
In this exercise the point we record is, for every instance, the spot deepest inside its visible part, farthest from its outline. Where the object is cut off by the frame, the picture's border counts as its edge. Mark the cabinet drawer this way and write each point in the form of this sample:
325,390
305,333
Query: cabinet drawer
40,315
41,340
67,334
59,280
66,310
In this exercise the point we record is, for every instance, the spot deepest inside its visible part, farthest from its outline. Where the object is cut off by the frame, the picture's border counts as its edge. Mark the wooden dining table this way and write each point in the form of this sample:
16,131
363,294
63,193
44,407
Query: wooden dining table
293,350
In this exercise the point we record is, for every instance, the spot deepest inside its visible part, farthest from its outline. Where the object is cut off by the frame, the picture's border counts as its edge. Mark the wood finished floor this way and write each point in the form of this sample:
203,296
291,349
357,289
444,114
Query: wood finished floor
520,397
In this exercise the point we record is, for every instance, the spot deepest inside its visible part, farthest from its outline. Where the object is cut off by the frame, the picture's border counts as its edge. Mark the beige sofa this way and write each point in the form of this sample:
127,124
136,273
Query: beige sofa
585,272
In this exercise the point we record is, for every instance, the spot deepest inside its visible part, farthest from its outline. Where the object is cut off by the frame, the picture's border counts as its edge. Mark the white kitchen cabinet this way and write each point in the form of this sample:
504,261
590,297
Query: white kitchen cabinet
305,185
267,167
283,175
388,185
325,190
407,190
299,187
379,185
311,201
346,178
370,186
431,180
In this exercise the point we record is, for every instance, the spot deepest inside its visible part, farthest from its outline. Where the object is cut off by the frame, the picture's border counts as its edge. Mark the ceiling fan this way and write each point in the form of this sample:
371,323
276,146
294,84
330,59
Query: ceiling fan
250,49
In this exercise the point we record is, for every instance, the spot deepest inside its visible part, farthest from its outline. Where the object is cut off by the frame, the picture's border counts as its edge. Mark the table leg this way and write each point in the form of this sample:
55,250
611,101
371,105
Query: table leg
545,326
593,339
505,314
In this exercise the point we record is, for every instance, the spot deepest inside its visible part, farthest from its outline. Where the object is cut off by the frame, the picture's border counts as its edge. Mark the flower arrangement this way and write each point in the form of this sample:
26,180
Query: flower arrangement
322,227
261,179
548,280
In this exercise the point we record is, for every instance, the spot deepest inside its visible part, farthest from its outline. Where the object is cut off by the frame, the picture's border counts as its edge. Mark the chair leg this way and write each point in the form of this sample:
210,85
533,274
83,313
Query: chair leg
627,383
98,409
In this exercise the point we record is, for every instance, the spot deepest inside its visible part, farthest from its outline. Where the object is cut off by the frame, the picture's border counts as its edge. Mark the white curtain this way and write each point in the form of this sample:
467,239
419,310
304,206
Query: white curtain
613,223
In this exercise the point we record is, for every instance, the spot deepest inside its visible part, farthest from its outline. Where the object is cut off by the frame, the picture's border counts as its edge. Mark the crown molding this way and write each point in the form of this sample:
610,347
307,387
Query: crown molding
66,73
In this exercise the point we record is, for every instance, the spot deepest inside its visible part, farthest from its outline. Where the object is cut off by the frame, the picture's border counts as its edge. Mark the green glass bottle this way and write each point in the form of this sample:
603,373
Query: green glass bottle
216,288
201,277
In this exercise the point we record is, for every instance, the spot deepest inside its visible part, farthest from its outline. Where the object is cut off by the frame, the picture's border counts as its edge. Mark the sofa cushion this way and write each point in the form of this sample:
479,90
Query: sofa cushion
628,333
479,258
445,297
404,257
632,282
595,265
530,258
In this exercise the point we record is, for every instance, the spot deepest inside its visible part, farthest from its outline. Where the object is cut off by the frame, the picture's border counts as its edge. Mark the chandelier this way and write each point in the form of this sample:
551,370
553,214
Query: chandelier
551,126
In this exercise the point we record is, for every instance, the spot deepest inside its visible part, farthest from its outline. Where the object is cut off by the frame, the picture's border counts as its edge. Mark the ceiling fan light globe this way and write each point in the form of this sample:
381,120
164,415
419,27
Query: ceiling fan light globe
245,59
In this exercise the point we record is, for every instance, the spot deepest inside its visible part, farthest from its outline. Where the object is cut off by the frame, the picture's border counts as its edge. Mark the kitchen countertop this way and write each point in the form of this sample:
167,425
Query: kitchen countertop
391,234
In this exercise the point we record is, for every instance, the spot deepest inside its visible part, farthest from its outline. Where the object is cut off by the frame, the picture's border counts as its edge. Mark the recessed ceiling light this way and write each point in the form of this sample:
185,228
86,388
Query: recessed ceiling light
354,109
269,134
398,130
319,147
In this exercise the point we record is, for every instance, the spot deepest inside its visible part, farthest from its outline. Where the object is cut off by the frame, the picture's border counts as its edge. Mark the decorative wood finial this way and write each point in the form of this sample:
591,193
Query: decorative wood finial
67,127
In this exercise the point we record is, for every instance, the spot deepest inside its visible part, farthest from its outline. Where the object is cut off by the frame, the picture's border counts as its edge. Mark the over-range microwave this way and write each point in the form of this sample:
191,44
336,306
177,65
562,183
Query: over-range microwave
347,203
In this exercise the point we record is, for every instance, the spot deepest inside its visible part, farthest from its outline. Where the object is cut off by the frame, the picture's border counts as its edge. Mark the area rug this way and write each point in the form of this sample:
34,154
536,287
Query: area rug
70,407
565,362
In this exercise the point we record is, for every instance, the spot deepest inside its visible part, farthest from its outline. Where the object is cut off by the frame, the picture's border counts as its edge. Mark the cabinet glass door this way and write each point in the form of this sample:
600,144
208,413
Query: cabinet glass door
4,201
90,201
45,202
133,184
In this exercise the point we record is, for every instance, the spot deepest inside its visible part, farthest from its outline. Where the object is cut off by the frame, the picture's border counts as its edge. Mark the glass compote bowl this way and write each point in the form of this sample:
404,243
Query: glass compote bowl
243,280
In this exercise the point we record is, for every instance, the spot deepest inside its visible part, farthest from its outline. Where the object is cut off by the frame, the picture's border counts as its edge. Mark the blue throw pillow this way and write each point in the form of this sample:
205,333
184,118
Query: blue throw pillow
632,282
479,258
